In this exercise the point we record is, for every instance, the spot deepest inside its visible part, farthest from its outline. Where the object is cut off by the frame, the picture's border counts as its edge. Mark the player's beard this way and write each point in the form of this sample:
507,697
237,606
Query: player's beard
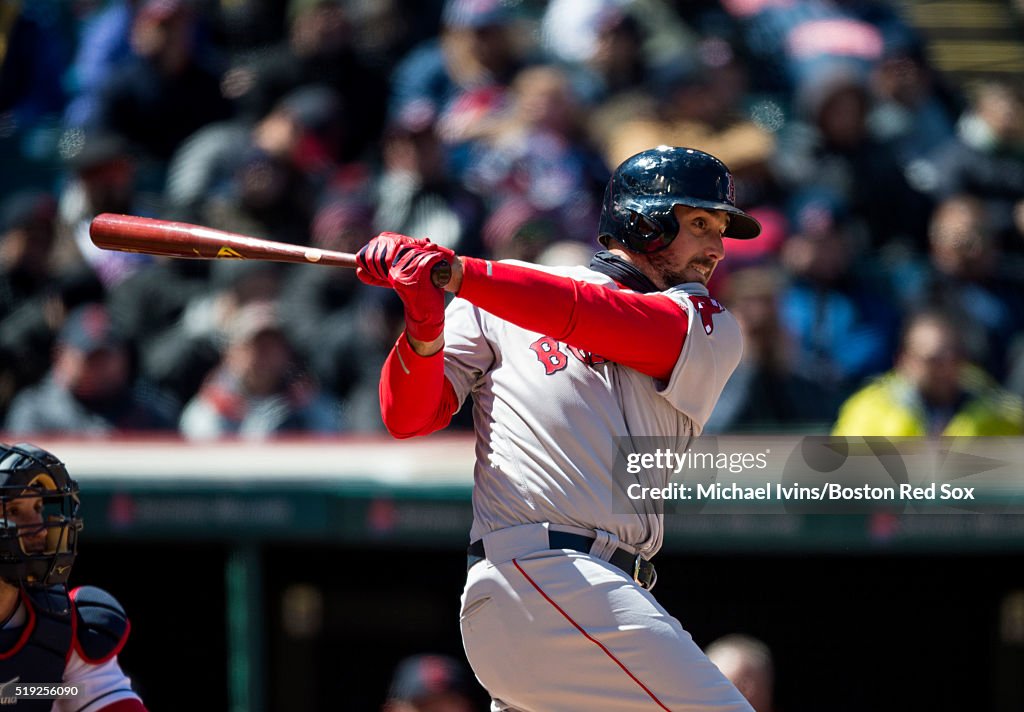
669,274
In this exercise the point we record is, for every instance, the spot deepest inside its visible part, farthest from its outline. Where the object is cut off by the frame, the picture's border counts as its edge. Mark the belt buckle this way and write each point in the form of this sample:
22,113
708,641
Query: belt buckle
644,573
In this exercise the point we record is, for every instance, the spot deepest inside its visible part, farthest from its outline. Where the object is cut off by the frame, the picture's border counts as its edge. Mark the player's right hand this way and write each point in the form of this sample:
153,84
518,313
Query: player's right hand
375,258
411,276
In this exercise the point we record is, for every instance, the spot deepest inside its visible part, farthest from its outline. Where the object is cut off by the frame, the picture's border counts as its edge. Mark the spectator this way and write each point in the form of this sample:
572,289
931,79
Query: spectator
303,132
913,110
700,104
517,230
618,64
169,90
415,193
601,43
319,305
266,197
793,41
429,683
258,389
384,30
571,30
967,276
932,391
829,146
747,662
840,318
29,306
242,26
91,388
465,73
360,343
34,51
178,358
103,181
147,305
539,153
319,50
27,224
104,42
984,159
767,391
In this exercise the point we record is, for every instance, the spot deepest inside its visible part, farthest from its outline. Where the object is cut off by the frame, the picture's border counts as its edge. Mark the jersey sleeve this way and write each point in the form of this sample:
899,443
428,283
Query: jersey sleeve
467,352
100,687
101,629
642,331
710,354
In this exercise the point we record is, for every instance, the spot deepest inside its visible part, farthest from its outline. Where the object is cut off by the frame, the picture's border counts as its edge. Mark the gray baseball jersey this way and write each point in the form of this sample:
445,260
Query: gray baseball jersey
547,414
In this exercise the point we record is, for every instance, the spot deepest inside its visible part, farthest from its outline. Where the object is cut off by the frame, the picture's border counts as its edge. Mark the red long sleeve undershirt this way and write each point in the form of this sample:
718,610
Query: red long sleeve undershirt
415,396
642,331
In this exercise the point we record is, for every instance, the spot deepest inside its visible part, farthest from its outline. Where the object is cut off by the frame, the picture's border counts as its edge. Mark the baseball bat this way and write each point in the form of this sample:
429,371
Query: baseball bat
131,233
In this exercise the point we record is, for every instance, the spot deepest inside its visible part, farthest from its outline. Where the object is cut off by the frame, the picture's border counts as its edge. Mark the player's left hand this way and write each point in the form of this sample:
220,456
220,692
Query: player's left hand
375,258
411,278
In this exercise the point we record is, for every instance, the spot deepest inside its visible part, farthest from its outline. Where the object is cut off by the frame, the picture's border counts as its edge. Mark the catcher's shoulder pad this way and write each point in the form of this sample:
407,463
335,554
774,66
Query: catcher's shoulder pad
101,625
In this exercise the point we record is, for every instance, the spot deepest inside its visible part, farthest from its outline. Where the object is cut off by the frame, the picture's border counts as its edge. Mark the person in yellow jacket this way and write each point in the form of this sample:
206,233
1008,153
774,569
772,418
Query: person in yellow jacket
932,390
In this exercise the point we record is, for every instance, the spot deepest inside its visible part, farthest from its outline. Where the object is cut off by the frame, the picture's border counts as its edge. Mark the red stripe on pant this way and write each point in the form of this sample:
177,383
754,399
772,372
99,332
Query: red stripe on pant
589,637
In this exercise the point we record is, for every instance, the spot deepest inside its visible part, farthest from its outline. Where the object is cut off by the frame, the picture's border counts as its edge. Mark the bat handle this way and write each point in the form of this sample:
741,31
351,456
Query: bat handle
440,274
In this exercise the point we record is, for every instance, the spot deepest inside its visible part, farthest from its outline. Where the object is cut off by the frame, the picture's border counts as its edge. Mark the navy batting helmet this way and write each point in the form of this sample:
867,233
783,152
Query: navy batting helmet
638,201
39,520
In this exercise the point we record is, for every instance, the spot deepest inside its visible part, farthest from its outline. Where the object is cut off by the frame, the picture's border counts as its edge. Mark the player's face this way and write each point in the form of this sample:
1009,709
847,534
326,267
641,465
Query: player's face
27,514
696,251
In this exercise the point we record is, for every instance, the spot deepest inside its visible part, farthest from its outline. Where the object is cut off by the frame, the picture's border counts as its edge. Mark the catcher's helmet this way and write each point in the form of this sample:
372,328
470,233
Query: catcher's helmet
39,520
638,201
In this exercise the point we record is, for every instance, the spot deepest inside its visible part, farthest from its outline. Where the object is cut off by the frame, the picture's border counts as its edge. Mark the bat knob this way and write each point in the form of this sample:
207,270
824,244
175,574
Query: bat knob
440,274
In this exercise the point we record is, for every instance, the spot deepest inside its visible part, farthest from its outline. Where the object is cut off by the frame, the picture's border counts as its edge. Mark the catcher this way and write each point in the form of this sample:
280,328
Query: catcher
50,638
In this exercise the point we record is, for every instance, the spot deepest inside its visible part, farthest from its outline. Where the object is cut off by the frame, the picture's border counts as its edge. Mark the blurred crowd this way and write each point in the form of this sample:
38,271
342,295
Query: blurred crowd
888,279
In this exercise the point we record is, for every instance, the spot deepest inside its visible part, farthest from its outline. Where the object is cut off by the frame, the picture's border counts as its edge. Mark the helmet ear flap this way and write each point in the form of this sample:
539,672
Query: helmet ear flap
643,227
649,231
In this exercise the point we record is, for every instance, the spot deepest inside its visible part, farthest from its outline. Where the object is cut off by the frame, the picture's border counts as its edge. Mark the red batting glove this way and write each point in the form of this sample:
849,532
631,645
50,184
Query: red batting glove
375,258
411,277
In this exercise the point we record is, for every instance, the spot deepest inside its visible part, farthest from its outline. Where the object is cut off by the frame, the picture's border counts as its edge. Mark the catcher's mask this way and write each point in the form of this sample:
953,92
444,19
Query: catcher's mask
39,520
643,190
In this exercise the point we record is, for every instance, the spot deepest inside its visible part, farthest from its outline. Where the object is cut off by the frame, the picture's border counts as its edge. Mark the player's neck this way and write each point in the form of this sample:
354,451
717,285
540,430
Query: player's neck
642,265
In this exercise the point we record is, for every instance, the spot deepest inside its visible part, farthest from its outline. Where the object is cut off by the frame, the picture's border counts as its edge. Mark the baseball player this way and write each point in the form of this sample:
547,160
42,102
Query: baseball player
557,612
50,638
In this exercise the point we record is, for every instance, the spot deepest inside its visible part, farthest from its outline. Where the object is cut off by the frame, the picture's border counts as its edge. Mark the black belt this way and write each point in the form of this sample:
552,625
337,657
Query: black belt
640,569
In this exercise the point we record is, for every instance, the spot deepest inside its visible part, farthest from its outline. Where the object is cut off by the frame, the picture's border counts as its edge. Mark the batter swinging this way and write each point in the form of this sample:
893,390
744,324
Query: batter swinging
557,613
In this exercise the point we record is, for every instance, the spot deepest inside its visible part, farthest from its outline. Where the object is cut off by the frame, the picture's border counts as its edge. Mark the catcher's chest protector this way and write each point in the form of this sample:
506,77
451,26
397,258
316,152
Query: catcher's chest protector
36,652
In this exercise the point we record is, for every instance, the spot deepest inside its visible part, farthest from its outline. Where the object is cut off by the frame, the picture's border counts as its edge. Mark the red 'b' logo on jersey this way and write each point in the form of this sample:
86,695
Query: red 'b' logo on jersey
549,354
707,307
